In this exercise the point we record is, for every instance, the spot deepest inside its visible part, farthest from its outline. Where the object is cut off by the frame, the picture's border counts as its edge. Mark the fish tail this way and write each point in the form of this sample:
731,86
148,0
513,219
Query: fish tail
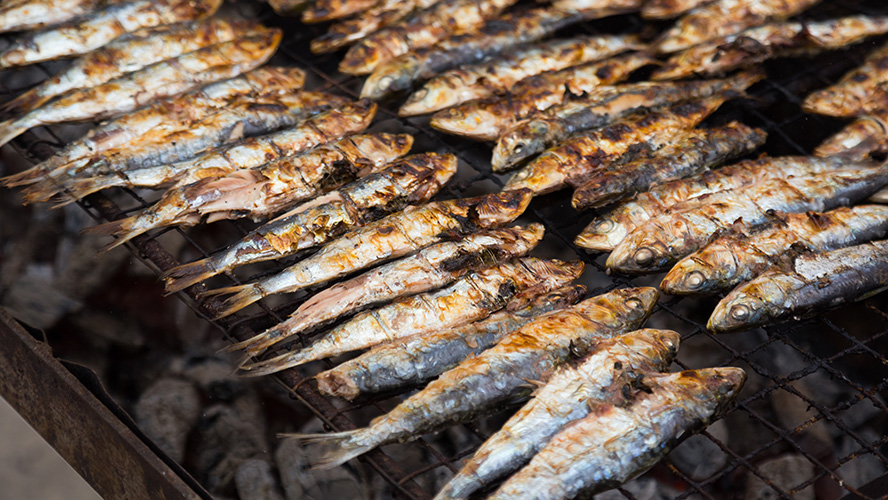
10,129
244,295
42,190
85,187
281,362
29,176
182,277
345,446
258,343
122,229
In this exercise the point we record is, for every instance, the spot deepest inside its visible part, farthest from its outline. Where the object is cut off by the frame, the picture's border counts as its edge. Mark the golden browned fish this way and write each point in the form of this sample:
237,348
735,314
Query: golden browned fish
857,91
328,10
381,15
665,9
598,8
864,136
33,14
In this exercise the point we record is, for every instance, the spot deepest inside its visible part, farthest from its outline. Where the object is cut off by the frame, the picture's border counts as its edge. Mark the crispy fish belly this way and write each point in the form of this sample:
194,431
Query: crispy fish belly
666,9
492,37
163,79
582,156
692,154
683,229
726,17
499,375
100,27
866,135
430,268
35,14
570,395
472,297
382,15
767,42
747,251
391,237
412,180
168,115
129,53
599,107
420,358
250,153
423,29
487,119
609,229
814,282
264,190
617,442
854,93
500,75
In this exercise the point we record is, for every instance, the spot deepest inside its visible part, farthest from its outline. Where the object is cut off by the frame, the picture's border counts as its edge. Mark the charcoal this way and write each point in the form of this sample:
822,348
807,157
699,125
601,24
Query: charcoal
255,481
299,482
786,472
166,412
698,456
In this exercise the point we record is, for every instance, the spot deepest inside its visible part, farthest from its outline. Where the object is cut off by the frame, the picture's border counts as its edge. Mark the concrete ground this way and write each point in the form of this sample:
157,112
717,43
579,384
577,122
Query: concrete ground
30,469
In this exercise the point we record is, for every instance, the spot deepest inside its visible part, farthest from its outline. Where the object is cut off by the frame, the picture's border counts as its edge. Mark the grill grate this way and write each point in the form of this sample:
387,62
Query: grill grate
825,366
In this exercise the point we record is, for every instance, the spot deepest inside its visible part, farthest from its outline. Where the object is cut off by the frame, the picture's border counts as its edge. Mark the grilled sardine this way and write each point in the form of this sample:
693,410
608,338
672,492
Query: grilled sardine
854,93
35,14
666,9
382,15
866,135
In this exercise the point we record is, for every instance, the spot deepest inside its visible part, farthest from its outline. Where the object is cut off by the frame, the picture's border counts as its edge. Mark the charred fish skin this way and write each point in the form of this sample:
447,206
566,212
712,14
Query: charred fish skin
599,8
854,93
422,30
472,297
428,269
264,190
609,229
600,107
691,155
583,155
745,252
129,53
420,358
771,40
163,79
617,442
866,135
412,180
382,15
83,35
170,115
492,37
726,17
813,283
469,83
568,396
666,9
487,119
499,375
684,228
327,10
391,237
36,14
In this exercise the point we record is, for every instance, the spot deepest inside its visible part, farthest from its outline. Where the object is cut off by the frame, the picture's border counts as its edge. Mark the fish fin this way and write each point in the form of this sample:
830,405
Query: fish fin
81,188
122,229
244,295
42,190
279,363
10,129
344,449
29,176
186,275
257,343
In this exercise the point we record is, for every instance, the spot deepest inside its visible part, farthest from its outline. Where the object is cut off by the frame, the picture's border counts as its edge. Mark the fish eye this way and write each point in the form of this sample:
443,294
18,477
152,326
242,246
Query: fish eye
386,82
694,280
420,94
519,147
605,226
740,312
634,303
644,256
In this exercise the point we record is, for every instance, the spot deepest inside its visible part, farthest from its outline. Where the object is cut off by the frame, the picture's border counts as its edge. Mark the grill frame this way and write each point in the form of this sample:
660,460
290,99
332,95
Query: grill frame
790,133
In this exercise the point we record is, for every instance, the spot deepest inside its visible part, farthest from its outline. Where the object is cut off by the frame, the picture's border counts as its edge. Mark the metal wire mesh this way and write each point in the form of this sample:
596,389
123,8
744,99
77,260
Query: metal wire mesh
823,368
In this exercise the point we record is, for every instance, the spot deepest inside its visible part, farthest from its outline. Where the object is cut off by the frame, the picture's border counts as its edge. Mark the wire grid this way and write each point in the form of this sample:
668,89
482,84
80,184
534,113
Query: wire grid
843,348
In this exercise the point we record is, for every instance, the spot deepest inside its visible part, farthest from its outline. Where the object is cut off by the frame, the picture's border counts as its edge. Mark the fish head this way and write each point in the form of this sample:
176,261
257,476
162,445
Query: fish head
421,176
706,271
500,208
639,255
718,386
658,347
749,304
634,304
523,141
195,9
435,95
476,120
276,79
603,234
390,77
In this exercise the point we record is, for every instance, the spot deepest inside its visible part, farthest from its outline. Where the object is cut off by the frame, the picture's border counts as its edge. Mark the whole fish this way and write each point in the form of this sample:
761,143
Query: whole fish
424,29
853,94
382,15
609,229
34,14
570,395
685,227
264,190
864,136
413,180
420,358
472,297
129,53
247,118
328,10
430,268
578,158
500,75
487,119
747,251
499,375
169,115
100,27
492,37
617,442
389,238
692,154
726,17
163,79
253,152
666,9
814,282
599,107
767,42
